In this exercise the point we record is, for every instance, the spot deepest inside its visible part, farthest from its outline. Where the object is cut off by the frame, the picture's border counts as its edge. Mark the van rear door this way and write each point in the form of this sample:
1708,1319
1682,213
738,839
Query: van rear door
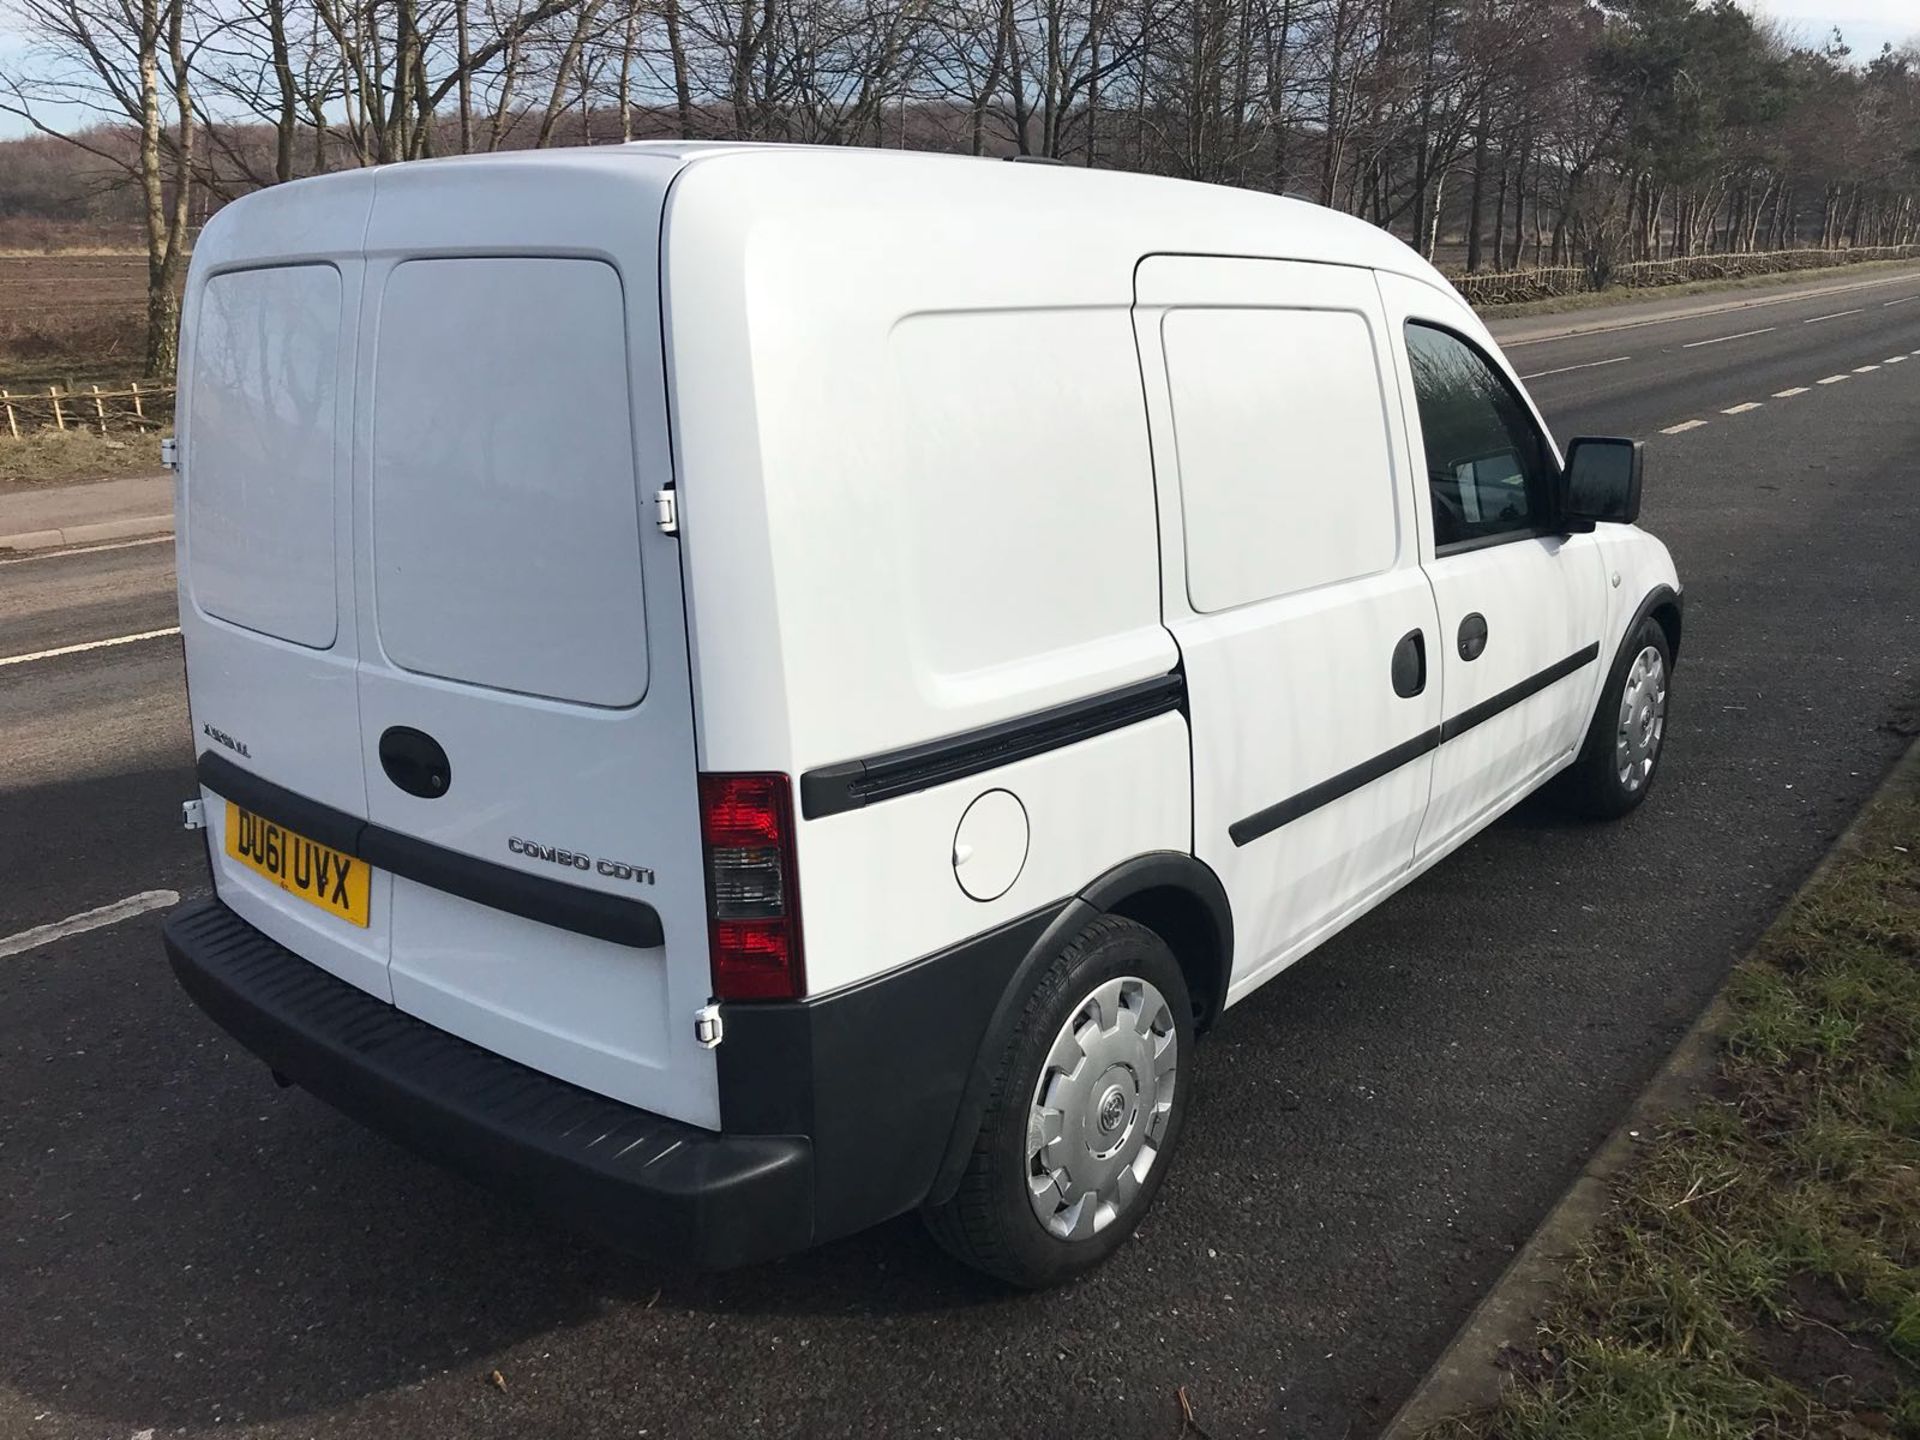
526,721
266,564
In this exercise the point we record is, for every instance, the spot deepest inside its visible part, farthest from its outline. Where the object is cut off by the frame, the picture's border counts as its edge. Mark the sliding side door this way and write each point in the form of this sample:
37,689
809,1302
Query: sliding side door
1292,583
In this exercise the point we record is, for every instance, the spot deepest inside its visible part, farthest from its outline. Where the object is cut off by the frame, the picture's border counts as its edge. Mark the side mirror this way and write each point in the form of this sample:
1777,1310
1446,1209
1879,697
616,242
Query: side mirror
1601,481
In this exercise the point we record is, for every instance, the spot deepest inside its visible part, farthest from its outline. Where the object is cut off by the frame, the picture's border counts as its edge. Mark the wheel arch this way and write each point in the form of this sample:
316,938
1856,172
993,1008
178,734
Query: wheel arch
1171,893
1662,606
1181,900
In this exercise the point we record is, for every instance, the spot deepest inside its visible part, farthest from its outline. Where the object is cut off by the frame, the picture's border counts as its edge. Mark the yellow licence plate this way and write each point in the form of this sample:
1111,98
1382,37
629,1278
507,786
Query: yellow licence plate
321,876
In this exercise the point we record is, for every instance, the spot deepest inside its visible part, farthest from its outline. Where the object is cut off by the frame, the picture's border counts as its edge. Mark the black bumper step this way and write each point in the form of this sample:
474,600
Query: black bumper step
638,1181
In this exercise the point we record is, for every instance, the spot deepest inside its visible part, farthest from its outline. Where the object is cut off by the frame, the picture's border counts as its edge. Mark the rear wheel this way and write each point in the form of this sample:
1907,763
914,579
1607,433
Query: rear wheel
1084,1116
1621,755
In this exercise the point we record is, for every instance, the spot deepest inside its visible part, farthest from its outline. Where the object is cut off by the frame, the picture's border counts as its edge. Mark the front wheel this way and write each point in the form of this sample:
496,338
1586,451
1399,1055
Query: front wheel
1621,756
1084,1115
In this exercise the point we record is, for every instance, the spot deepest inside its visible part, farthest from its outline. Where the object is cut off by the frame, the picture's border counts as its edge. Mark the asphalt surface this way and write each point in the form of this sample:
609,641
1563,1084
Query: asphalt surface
189,1250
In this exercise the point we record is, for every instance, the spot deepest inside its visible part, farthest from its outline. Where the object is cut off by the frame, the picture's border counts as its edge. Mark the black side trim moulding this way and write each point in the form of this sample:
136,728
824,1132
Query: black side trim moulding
1265,822
1514,694
830,789
551,902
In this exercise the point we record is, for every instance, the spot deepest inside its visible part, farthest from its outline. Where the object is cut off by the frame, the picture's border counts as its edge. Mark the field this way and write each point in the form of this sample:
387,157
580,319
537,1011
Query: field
71,319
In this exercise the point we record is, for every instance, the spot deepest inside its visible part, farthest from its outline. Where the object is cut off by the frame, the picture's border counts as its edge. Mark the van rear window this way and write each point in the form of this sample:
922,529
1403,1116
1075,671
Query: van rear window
506,516
259,461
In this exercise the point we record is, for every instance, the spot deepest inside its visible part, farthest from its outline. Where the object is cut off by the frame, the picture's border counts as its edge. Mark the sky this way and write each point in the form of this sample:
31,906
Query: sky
1865,24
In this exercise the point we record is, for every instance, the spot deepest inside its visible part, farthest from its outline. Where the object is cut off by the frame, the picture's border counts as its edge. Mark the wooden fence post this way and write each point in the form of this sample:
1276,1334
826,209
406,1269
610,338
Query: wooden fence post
99,411
53,392
138,413
13,426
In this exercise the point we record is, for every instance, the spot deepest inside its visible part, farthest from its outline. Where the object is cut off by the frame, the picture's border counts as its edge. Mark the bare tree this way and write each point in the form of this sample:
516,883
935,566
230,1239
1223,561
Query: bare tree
1485,132
129,61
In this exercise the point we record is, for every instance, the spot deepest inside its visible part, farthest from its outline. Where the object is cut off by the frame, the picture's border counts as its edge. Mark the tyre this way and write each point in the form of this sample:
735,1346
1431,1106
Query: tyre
1617,764
1084,1115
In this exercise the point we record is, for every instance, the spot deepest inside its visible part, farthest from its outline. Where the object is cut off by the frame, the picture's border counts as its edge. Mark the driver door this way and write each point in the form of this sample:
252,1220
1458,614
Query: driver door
1520,606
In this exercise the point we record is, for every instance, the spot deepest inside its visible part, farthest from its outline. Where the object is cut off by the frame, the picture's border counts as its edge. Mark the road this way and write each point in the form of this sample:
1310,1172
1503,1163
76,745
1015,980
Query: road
191,1251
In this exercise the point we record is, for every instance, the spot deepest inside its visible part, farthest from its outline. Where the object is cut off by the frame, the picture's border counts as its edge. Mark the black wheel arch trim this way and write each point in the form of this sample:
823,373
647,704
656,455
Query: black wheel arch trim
1156,870
1174,870
1662,595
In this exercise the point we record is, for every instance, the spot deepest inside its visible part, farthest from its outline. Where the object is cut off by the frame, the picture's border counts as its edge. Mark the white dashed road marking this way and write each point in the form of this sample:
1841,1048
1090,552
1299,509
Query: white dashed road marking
113,545
1901,301
1722,339
1590,365
88,920
1745,405
88,645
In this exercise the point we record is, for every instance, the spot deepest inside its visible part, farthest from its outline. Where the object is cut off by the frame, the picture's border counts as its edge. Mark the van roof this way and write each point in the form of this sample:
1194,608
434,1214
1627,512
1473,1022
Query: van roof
1120,209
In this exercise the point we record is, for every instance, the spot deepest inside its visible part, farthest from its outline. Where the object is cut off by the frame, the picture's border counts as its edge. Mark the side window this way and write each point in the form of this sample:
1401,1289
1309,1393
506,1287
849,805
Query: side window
1286,473
1489,470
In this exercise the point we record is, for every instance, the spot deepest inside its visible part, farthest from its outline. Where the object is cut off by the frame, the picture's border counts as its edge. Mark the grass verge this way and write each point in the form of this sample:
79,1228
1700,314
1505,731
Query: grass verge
1622,295
1758,1271
56,457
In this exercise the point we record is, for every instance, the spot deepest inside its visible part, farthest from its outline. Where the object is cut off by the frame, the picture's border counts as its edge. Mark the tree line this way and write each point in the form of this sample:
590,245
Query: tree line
1490,134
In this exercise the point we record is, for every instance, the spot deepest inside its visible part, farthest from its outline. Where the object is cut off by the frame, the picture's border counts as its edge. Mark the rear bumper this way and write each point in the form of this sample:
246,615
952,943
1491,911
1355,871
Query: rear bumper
635,1180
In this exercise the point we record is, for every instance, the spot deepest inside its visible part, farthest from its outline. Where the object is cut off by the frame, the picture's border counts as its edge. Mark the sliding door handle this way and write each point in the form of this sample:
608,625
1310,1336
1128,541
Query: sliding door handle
1410,665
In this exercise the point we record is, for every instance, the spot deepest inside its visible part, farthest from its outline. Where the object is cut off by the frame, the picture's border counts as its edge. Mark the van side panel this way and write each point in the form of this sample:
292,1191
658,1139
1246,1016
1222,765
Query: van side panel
916,500
1020,521
881,884
847,539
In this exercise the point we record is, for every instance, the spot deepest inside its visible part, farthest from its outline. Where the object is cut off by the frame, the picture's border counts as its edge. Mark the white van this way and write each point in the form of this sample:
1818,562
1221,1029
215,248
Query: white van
741,691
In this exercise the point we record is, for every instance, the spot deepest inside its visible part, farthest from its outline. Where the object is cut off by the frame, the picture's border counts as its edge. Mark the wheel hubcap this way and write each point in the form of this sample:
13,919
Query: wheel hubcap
1099,1111
1643,719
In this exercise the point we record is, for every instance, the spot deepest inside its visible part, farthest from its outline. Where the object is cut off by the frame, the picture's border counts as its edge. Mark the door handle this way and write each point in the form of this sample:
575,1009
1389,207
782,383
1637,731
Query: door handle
1410,665
1473,636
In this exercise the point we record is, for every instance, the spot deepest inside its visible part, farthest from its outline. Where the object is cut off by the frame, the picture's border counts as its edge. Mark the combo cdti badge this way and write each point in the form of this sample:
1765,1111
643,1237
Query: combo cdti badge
741,691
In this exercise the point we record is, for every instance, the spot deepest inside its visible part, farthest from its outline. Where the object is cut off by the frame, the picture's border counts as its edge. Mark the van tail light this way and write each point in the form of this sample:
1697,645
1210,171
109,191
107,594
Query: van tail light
753,890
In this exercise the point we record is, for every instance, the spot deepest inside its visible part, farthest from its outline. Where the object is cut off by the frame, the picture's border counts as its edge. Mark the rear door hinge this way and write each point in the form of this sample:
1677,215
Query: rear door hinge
707,1028
193,815
666,512
169,454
